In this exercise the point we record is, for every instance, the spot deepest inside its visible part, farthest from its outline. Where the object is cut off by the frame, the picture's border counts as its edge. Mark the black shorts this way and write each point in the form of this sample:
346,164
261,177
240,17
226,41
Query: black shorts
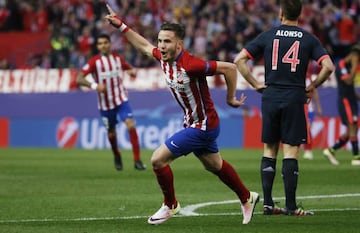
284,120
348,110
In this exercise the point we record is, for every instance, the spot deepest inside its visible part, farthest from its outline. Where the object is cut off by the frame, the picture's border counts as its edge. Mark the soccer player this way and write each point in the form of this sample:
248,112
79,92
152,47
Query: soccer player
107,70
185,76
347,105
286,50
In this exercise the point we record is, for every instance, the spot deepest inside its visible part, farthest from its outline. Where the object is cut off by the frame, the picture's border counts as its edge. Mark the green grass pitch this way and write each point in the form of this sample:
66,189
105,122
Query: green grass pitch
74,190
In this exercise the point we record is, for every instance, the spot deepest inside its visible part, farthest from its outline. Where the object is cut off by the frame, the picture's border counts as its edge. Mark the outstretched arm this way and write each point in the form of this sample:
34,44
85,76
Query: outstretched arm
133,37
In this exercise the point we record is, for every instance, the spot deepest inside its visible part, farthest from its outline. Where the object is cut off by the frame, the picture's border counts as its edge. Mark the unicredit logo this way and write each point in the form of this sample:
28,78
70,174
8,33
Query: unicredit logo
67,133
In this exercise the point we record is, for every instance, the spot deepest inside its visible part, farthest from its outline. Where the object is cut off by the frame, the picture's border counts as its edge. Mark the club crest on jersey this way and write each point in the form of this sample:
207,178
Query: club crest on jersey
180,77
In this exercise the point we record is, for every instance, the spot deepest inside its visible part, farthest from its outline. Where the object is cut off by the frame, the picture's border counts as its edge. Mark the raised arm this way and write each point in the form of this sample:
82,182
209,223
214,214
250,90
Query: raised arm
133,37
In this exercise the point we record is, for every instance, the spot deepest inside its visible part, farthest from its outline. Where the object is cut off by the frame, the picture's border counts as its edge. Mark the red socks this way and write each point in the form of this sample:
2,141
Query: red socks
228,176
308,146
135,143
165,179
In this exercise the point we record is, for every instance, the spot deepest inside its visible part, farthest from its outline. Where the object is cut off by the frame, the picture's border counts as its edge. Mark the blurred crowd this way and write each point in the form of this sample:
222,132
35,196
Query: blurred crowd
215,29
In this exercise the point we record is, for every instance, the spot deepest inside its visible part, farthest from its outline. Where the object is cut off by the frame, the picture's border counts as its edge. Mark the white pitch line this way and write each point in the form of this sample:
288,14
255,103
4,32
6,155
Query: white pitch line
145,217
189,211
261,213
70,219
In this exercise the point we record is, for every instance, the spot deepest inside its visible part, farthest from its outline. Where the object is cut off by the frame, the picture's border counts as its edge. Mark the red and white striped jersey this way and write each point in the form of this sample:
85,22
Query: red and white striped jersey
186,79
108,70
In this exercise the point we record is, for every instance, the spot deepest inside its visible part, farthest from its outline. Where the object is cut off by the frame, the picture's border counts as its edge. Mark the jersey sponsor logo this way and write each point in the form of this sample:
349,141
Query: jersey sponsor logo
286,33
175,85
109,74
67,133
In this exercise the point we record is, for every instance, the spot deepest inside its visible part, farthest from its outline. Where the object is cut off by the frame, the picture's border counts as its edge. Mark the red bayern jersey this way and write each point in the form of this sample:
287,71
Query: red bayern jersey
108,70
186,79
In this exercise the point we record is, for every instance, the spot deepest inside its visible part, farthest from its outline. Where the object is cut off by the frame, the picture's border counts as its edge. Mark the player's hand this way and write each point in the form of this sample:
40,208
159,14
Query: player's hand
309,95
132,73
101,88
234,102
309,91
260,87
112,18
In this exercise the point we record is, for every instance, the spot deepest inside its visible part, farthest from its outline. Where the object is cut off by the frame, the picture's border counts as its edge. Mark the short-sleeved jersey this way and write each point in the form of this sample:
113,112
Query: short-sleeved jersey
344,90
287,51
108,70
186,79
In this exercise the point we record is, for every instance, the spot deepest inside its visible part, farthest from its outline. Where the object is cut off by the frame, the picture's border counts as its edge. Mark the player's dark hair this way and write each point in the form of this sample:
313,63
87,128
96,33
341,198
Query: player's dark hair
103,36
177,28
291,9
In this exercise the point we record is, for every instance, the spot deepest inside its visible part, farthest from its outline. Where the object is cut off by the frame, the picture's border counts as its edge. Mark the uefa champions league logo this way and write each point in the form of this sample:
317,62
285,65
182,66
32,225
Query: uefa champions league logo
67,133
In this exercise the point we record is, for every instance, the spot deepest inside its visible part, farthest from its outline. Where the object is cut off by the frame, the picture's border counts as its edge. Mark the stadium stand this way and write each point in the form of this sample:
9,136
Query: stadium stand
70,26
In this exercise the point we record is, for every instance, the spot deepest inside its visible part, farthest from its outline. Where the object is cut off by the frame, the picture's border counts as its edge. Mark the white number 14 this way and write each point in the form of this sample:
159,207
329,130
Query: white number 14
290,57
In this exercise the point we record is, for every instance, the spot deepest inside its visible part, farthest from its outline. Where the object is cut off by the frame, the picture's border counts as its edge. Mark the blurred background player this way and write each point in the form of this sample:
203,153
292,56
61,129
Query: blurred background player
347,106
313,109
107,69
185,76
287,50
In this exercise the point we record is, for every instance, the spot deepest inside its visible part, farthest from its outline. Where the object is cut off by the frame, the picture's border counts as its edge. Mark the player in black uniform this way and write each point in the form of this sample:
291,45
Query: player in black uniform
347,105
287,50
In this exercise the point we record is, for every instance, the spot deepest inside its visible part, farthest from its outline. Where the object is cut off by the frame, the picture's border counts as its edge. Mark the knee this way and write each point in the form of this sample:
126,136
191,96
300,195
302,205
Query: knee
214,167
156,161
130,124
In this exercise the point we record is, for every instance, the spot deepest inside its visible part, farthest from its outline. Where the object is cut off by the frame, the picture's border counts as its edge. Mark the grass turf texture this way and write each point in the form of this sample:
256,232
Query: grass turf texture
73,190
